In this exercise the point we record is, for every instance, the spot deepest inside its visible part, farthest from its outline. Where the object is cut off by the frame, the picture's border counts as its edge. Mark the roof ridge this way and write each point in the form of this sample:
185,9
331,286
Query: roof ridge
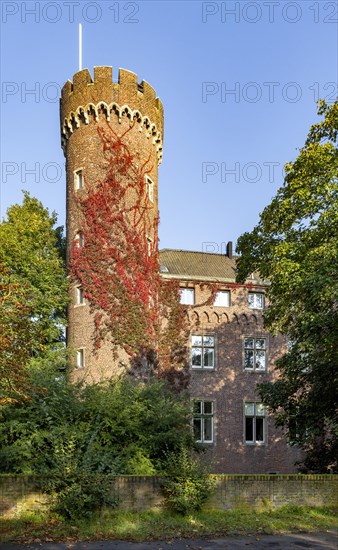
195,252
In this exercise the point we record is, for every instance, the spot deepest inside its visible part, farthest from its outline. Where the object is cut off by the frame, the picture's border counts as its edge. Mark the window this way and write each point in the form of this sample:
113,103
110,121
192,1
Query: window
79,296
204,421
255,354
78,180
150,189
256,300
79,239
187,296
203,352
149,246
254,422
80,358
222,298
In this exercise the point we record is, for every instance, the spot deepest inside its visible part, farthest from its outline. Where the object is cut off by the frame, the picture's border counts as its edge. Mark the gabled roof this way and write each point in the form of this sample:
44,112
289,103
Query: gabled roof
187,264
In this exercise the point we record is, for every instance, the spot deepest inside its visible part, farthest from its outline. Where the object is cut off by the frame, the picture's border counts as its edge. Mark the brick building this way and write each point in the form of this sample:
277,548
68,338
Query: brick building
230,351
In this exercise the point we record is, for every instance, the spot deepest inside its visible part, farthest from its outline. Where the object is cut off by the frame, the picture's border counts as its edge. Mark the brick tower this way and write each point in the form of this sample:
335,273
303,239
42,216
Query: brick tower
86,103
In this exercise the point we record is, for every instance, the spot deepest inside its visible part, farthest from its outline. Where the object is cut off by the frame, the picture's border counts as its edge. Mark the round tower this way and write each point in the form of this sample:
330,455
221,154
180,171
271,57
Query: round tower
131,109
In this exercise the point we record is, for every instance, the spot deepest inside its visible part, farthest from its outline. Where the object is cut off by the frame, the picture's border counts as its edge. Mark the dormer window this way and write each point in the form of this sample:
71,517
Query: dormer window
256,300
187,296
222,298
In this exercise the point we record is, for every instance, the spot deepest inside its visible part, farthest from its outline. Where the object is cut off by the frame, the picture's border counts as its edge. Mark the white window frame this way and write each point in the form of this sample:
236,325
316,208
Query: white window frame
79,239
80,358
259,413
255,304
202,417
78,179
255,351
149,246
219,295
203,346
150,189
79,296
184,293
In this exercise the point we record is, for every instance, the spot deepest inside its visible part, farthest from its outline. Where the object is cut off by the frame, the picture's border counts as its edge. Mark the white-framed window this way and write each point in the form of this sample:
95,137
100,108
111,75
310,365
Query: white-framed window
79,239
80,358
78,180
203,351
187,296
203,421
255,422
256,300
255,354
222,298
149,246
80,300
150,188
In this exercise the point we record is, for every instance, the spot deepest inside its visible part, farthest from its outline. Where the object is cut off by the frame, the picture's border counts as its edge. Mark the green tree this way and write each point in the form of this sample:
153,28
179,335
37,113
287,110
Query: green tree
295,247
15,339
31,251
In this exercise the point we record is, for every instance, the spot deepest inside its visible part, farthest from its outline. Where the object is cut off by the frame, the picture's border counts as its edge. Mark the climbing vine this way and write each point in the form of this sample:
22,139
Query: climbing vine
118,265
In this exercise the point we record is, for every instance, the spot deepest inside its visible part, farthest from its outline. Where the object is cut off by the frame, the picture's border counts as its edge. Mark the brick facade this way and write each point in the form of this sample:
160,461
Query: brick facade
229,385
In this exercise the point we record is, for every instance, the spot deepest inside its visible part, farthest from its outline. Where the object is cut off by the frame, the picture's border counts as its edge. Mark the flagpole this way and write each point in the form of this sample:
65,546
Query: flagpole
80,47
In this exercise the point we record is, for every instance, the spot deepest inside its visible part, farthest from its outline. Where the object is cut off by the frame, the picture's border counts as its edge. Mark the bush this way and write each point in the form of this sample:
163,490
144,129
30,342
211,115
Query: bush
187,484
76,436
79,495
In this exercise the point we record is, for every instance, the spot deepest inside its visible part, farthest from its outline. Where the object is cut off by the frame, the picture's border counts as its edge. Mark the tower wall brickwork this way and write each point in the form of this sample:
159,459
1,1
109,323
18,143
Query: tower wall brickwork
87,103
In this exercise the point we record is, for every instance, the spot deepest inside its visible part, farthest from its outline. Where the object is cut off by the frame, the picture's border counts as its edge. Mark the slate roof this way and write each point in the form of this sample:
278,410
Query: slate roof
187,264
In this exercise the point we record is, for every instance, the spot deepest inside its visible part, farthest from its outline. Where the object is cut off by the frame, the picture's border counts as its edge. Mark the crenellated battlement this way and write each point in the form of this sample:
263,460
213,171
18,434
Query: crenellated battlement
86,97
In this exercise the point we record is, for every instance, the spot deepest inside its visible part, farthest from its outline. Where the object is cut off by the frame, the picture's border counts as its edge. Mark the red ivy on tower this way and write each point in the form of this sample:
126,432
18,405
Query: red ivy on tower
119,271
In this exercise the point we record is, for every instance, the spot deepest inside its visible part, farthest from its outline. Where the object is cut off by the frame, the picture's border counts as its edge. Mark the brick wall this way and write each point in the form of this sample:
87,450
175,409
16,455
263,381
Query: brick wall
20,494
142,493
229,385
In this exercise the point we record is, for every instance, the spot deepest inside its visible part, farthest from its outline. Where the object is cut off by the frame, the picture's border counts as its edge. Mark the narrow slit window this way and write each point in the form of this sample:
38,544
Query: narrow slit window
79,296
150,189
80,358
79,239
79,180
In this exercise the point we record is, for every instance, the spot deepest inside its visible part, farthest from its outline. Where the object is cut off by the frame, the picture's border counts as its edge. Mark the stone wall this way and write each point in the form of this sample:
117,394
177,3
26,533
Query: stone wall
142,493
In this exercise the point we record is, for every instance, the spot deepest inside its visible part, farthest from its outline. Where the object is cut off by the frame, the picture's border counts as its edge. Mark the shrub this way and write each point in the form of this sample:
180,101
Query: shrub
79,495
187,484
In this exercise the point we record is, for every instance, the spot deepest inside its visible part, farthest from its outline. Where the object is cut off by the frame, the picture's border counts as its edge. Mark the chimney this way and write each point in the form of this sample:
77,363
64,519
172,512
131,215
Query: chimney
229,249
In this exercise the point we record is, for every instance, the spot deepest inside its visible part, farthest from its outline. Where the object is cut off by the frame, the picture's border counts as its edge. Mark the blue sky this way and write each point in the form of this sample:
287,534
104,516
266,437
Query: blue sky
223,152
